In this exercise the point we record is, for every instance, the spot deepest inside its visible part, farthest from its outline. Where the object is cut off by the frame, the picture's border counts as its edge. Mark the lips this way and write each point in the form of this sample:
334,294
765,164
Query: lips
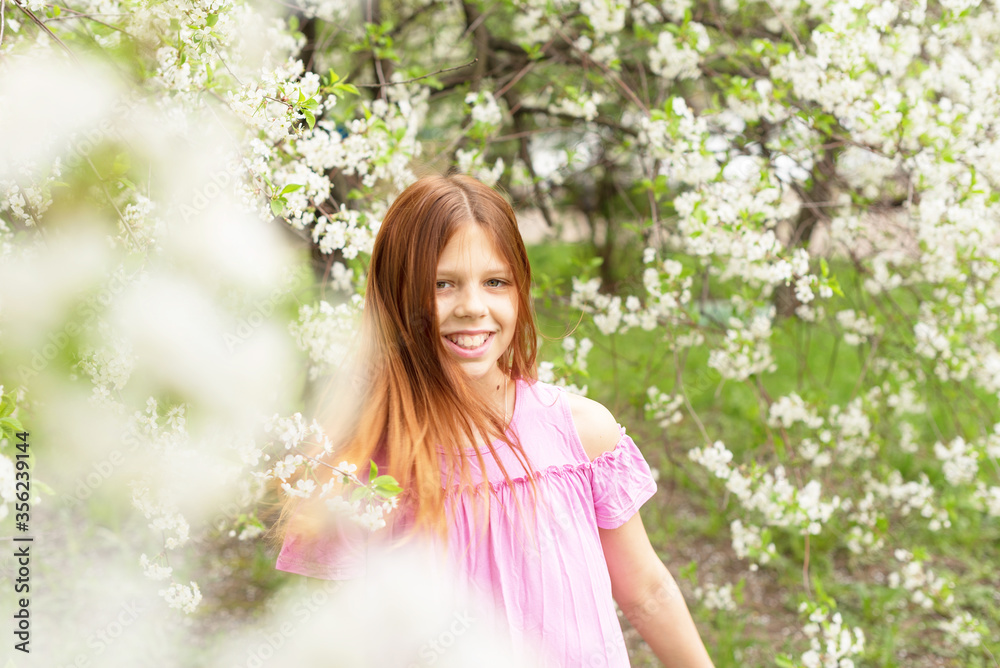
469,344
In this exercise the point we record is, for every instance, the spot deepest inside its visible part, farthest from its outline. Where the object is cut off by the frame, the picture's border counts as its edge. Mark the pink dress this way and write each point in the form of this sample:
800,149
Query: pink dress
547,578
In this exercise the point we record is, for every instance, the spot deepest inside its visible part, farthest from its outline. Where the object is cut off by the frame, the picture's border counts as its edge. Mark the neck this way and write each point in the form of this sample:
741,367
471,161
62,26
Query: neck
495,389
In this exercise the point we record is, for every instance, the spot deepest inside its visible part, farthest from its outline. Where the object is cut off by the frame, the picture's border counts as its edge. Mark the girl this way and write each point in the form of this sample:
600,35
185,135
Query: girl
532,491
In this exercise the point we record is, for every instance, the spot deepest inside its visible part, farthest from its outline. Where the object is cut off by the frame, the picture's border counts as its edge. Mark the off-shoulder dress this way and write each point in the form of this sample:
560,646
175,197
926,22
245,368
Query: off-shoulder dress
545,573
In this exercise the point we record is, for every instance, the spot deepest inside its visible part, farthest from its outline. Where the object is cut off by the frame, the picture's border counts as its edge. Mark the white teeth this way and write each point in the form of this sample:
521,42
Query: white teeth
470,342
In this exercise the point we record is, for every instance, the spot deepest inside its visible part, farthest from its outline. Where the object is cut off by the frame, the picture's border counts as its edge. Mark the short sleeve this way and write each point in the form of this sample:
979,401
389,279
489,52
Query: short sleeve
621,482
338,553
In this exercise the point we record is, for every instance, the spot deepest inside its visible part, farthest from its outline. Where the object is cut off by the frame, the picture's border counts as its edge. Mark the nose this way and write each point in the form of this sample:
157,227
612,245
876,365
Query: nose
470,303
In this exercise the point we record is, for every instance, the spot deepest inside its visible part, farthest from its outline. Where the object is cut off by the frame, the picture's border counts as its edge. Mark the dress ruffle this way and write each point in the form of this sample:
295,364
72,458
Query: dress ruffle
620,479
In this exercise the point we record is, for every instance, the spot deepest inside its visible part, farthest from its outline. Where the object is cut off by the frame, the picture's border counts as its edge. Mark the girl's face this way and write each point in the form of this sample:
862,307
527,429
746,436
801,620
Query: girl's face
476,303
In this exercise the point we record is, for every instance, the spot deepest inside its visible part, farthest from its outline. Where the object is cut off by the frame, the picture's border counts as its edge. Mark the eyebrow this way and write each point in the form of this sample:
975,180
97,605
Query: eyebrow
496,269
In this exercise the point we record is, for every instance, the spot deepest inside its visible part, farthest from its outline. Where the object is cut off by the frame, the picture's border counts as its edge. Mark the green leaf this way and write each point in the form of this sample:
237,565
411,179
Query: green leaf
373,472
290,188
824,267
211,20
10,425
278,205
122,163
835,286
386,485
310,118
6,406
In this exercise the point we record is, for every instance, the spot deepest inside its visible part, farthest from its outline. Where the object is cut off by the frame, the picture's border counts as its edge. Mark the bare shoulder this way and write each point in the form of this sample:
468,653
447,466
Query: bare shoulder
597,427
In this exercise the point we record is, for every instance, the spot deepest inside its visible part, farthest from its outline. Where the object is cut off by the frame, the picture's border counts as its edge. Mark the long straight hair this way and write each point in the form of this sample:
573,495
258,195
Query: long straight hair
412,398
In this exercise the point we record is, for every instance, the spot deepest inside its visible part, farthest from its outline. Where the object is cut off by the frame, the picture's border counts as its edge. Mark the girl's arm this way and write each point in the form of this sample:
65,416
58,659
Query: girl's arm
640,583
649,597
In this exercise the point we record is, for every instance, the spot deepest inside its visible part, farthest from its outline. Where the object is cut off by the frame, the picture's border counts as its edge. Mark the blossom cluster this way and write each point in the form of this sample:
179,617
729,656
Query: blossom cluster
925,588
667,293
770,493
832,643
368,503
326,332
746,350
714,597
663,408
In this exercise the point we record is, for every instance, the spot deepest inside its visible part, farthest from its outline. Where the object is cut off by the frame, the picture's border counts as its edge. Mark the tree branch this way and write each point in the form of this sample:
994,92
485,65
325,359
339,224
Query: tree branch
41,24
423,76
474,22
600,120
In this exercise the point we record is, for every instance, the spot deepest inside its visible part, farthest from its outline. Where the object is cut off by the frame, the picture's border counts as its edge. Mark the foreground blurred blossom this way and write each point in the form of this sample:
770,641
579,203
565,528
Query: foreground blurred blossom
406,612
72,106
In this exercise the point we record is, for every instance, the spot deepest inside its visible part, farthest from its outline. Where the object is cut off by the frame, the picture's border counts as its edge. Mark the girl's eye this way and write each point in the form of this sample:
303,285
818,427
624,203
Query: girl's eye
496,283
441,285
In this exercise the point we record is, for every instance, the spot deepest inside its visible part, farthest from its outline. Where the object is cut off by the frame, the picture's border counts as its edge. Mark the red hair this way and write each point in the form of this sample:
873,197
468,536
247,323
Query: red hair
413,397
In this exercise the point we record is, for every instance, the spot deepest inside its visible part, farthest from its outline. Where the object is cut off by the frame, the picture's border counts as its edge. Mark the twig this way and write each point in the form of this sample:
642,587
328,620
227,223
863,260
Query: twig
226,65
987,649
765,399
289,5
629,93
524,133
628,200
81,15
864,369
41,24
784,23
517,77
819,205
3,19
396,83
471,28
600,120
833,361
805,567
687,402
121,217
651,196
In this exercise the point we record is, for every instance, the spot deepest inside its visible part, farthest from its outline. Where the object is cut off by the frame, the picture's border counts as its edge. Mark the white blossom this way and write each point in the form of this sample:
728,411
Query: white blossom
182,597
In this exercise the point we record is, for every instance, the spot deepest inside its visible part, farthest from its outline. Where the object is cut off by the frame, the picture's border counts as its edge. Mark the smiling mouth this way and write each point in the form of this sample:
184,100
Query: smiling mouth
468,342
